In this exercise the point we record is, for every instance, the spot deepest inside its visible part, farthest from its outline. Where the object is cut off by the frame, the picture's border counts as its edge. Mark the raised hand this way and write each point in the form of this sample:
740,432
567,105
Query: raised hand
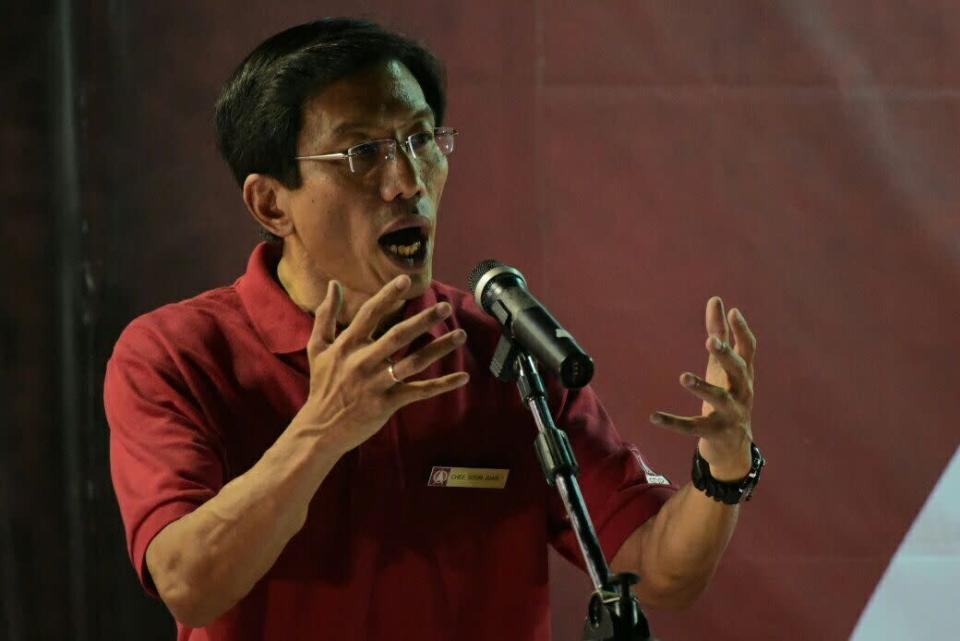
352,390
727,393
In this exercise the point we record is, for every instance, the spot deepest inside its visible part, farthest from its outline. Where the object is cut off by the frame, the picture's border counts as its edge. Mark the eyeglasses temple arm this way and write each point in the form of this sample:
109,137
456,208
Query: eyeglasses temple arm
337,156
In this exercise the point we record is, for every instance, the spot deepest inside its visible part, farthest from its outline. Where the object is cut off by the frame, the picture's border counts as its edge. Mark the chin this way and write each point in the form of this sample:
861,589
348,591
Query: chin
419,282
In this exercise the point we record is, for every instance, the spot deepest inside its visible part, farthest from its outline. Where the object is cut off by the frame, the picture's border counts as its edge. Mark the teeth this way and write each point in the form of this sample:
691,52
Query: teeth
405,250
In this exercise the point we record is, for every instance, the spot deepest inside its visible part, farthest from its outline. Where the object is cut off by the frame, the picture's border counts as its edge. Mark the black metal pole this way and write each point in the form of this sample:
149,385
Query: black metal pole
72,384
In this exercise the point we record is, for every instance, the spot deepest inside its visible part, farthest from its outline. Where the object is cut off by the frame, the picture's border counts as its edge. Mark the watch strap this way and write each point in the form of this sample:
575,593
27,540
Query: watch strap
729,492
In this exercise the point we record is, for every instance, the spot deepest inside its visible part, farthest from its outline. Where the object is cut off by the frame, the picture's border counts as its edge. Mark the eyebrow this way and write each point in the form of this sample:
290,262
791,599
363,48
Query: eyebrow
345,128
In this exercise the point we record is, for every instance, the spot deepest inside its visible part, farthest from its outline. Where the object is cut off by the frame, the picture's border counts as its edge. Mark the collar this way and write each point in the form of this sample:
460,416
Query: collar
281,324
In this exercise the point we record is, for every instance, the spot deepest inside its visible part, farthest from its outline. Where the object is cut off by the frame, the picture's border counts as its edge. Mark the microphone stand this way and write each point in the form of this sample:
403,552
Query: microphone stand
614,613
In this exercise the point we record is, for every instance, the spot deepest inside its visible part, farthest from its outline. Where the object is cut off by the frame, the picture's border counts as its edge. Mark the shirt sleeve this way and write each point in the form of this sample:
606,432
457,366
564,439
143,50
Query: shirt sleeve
618,486
164,460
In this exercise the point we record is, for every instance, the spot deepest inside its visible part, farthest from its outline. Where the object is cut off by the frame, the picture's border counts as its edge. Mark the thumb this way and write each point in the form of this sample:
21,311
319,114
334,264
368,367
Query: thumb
325,319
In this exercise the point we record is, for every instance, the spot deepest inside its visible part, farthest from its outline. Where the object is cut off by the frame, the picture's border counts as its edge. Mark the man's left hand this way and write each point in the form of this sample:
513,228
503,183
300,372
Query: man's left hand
727,395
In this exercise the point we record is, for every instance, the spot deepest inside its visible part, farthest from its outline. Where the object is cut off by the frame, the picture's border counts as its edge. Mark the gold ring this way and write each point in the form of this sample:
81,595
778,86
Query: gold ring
393,374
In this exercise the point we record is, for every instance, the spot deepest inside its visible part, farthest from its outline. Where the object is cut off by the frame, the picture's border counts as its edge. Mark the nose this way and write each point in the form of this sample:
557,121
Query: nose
401,177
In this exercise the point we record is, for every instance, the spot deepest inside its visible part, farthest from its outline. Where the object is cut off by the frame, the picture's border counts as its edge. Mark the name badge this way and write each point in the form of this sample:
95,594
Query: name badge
478,477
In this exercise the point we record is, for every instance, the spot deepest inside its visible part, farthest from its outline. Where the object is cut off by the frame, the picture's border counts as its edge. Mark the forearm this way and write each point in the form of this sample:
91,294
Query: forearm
205,562
677,551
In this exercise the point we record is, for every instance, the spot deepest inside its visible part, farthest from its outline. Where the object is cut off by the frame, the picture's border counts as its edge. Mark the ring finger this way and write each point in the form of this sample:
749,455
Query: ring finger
423,358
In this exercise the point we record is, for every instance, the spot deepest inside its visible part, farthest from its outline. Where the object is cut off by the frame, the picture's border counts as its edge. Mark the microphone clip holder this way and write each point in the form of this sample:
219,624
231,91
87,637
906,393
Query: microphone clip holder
613,613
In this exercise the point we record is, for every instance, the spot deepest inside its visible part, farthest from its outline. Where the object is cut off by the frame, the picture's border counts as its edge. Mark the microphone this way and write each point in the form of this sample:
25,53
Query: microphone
502,292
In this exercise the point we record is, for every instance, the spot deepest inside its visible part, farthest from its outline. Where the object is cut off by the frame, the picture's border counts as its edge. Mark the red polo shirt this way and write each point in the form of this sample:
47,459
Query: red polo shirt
197,391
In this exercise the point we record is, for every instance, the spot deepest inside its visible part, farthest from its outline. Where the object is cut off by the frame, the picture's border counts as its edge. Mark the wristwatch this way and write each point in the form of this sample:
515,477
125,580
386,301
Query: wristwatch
729,492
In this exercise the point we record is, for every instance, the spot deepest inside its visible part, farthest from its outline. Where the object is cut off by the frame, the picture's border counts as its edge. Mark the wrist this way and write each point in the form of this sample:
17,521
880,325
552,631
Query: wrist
729,464
732,491
319,440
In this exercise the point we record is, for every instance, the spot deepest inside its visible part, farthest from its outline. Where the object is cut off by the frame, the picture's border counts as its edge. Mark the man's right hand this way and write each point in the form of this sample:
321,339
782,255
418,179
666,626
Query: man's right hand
352,394
207,560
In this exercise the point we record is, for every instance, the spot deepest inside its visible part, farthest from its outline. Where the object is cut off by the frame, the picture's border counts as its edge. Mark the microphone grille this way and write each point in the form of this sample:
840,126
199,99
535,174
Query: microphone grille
482,268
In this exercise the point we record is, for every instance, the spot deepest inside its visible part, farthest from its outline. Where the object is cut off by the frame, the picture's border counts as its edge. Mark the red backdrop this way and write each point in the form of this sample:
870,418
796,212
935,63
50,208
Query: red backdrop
633,159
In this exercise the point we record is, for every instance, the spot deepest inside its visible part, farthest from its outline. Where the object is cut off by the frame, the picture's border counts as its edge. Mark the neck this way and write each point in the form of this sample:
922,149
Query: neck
307,287
306,293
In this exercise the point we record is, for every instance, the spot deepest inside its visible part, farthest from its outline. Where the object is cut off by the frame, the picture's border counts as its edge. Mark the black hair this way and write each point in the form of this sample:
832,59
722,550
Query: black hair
259,113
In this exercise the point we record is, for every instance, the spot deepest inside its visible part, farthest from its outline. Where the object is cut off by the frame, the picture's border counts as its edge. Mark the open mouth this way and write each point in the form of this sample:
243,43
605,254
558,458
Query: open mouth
407,246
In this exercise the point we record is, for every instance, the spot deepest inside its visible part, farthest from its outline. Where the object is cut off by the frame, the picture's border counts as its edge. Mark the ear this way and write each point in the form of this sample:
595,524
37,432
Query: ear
263,194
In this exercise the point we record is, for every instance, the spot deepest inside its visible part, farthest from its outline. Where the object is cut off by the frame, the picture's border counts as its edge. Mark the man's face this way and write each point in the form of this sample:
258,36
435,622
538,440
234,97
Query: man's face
363,229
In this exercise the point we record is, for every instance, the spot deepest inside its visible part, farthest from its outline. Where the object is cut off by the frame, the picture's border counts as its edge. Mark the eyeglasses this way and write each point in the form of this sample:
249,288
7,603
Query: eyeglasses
425,146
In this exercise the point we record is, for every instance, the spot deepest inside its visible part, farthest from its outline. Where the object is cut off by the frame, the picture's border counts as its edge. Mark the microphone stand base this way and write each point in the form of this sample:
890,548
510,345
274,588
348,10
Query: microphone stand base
616,615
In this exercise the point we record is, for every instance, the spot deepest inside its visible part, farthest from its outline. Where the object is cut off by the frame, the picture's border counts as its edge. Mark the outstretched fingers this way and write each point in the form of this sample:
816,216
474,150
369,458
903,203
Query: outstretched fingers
401,334
325,319
715,320
727,388
746,341
376,308
732,363
689,425
430,354
716,396
421,390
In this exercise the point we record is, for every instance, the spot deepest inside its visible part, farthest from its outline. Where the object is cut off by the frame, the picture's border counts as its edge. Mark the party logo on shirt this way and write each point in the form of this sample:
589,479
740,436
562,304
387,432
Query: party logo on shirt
475,477
439,477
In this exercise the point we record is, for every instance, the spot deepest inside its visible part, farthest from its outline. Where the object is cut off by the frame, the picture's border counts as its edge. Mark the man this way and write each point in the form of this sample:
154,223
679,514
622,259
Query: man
273,442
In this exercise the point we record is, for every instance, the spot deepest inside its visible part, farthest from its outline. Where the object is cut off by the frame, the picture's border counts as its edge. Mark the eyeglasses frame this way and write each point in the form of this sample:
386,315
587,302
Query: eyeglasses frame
406,145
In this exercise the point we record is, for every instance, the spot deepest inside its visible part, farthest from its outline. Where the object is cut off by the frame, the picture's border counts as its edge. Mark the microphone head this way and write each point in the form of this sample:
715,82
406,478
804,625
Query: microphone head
485,273
477,273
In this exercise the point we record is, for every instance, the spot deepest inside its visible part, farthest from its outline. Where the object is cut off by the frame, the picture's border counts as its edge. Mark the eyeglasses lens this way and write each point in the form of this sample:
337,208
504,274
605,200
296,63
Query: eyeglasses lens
427,147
